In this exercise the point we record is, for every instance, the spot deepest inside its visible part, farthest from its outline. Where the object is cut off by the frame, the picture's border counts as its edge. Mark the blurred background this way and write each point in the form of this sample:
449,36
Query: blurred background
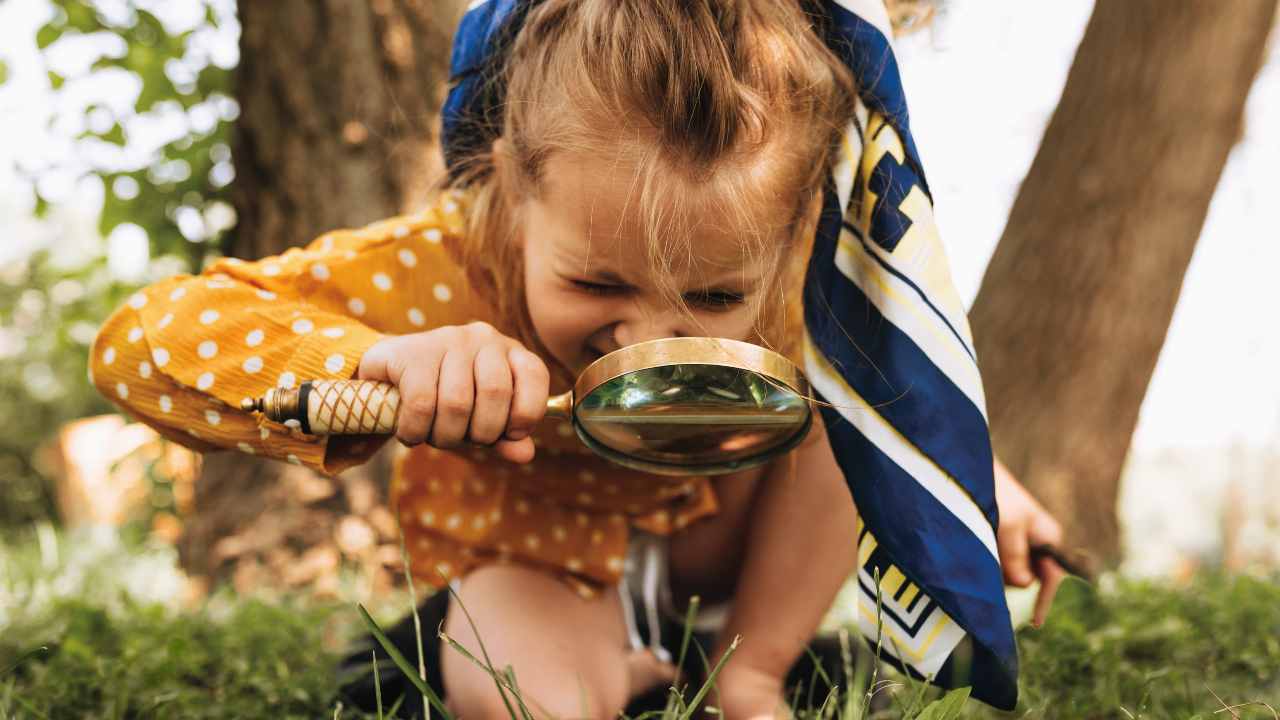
1104,181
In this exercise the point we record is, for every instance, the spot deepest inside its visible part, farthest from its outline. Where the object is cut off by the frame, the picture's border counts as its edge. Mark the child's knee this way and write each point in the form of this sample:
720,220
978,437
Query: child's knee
563,699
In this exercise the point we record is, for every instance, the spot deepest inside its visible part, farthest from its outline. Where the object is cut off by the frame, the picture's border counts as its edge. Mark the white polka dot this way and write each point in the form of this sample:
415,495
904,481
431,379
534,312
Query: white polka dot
219,284
444,569
271,270
252,364
574,565
453,521
478,522
209,317
587,477
205,381
245,447
381,281
442,292
293,459
559,533
533,542
401,231
144,369
166,403
207,349
326,243
356,306
137,301
293,424
450,206
303,326
286,380
254,338
135,335
122,390
427,519
614,563
407,258
334,363
432,235
320,271
334,332
212,417
266,294
108,356
160,356
177,293
597,537
495,516
416,317
264,433
522,507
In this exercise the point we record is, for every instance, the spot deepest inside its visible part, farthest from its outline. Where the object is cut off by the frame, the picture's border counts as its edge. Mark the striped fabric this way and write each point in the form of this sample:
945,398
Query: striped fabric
889,351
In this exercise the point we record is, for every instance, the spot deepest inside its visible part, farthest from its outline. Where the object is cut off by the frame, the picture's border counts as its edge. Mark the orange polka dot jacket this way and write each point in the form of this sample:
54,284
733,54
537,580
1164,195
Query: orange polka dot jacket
181,354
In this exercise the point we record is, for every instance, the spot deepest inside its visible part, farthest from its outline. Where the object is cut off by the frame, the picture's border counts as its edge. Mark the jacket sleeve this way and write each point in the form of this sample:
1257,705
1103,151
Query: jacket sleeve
181,354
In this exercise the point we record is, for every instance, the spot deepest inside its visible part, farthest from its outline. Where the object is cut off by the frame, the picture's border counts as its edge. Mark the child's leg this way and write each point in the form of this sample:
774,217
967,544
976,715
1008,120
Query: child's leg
568,653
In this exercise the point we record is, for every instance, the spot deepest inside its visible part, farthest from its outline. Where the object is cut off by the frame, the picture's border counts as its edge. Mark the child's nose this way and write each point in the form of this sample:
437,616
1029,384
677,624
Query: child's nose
643,329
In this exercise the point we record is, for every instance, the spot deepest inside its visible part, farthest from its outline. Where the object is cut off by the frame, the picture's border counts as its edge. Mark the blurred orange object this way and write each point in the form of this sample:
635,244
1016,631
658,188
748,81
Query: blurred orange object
101,467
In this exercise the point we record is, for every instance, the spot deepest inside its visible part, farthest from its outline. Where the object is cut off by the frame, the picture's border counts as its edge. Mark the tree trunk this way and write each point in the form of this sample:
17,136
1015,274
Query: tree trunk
1076,302
339,125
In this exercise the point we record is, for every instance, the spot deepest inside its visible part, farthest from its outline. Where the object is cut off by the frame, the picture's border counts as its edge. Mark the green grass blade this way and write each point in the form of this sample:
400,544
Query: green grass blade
711,678
23,658
427,693
377,683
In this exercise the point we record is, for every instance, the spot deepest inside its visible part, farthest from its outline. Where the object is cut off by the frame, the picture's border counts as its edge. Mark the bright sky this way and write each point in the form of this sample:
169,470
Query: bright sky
982,84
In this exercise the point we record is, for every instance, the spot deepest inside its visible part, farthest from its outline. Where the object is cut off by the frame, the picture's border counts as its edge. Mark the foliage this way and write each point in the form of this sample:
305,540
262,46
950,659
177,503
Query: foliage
120,644
162,160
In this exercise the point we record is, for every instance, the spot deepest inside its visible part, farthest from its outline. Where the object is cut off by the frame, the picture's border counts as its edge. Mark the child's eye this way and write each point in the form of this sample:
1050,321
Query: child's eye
715,300
595,288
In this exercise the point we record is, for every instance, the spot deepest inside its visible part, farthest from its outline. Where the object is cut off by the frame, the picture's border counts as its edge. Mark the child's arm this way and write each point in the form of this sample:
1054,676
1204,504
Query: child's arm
801,547
181,354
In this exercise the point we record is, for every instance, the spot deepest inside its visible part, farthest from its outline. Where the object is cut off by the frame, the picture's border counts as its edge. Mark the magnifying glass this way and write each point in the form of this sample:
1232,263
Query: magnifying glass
677,406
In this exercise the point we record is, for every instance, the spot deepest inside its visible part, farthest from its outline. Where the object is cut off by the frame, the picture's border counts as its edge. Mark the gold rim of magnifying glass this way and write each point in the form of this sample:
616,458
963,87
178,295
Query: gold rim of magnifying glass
693,350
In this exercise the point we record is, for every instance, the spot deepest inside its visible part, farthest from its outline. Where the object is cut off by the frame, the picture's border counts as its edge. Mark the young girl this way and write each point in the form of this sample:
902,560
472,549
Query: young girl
656,172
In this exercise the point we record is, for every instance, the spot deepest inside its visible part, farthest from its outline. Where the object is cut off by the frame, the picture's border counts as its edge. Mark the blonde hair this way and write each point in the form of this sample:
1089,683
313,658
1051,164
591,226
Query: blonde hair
725,100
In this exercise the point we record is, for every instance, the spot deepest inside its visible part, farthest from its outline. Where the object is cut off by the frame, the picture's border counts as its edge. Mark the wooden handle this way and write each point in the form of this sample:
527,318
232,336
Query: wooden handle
352,407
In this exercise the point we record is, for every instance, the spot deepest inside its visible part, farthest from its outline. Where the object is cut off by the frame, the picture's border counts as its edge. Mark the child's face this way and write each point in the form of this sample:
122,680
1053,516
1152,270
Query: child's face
588,287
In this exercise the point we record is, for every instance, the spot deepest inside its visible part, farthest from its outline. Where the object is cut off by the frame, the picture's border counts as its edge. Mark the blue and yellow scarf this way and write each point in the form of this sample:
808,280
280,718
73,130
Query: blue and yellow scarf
889,350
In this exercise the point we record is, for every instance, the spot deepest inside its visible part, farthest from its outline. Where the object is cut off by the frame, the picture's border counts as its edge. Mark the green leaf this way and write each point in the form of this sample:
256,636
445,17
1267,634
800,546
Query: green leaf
947,707
4,71
56,80
48,35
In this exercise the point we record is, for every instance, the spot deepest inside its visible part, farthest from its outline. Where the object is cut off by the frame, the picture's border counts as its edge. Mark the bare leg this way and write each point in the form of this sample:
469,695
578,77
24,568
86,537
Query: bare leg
568,653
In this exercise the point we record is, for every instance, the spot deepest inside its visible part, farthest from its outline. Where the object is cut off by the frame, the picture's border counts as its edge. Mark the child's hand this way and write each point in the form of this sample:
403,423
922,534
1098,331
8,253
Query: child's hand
463,383
1024,523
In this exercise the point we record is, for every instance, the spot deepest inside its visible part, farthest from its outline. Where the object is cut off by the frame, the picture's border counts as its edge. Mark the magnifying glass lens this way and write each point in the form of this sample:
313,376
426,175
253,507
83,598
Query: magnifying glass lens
691,417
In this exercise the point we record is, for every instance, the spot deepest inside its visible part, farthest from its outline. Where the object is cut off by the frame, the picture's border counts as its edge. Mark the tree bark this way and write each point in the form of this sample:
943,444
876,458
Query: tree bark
339,126
1076,301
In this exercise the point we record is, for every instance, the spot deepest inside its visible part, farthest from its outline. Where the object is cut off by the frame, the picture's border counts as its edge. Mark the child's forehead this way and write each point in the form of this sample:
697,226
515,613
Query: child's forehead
611,203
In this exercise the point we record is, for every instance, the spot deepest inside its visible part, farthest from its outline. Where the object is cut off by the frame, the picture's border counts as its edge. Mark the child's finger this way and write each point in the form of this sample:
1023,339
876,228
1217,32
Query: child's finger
493,395
455,394
417,386
532,383
516,451
1013,546
1051,576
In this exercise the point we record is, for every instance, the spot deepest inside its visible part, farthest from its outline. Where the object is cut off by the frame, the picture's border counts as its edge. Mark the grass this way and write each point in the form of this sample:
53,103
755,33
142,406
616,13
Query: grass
89,628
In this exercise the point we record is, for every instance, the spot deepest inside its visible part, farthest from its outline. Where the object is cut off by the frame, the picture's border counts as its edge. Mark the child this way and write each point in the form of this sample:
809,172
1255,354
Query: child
657,173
